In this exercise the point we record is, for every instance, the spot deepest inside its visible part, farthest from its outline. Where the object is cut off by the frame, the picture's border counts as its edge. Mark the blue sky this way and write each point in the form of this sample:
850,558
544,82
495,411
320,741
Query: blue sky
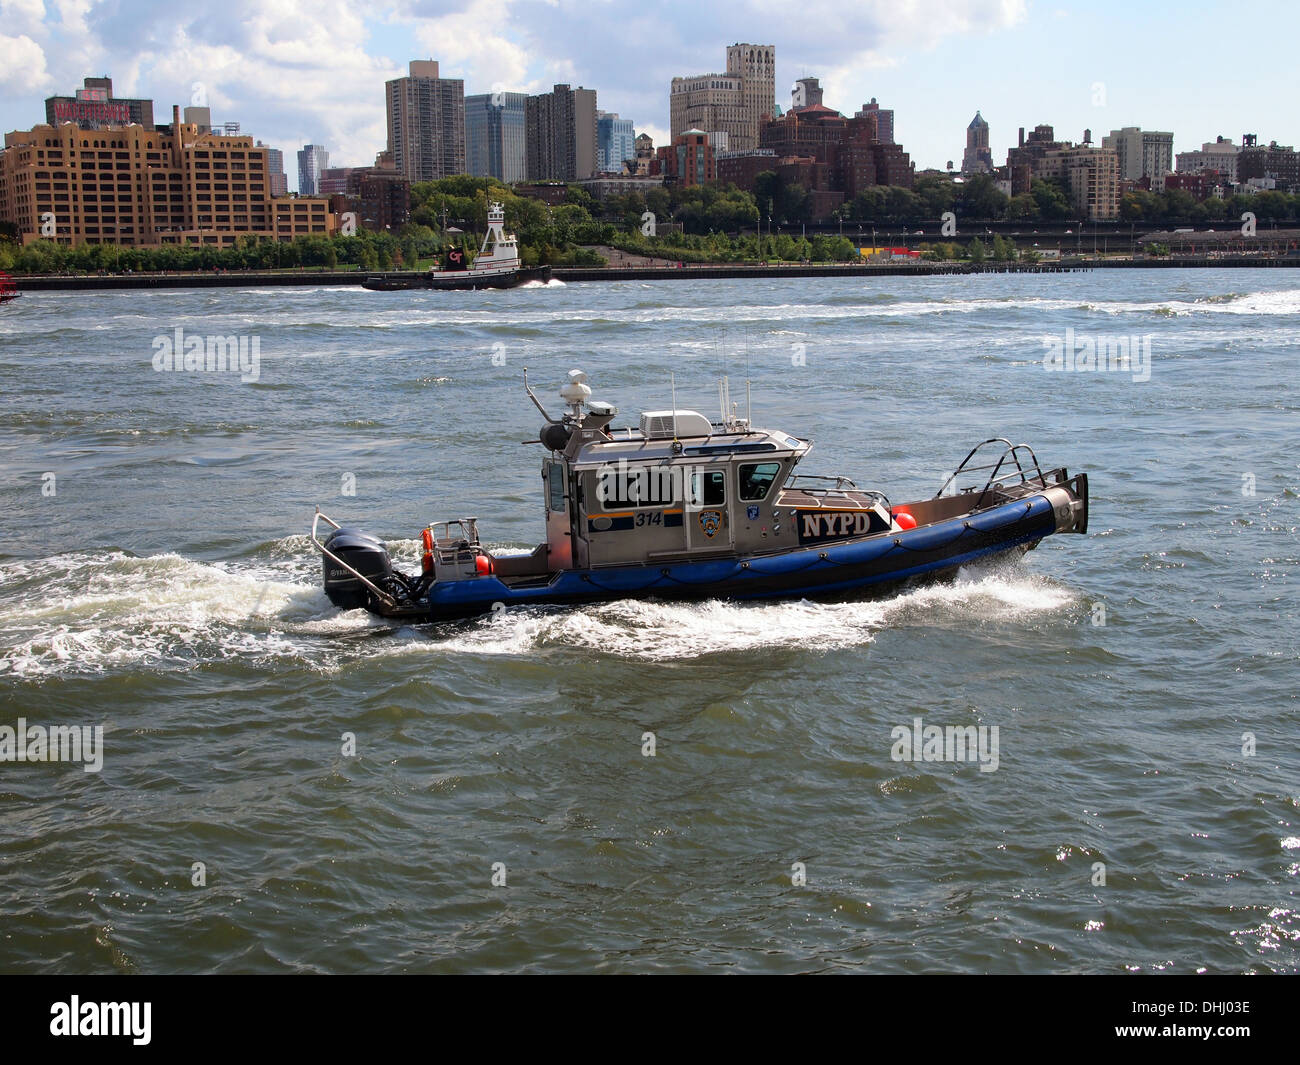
299,71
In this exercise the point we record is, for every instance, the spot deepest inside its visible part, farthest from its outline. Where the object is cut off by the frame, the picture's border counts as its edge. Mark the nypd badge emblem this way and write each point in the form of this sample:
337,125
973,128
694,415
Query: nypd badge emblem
751,512
710,522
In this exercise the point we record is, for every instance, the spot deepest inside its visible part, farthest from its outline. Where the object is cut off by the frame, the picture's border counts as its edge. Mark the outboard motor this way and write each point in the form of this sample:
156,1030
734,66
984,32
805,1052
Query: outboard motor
366,554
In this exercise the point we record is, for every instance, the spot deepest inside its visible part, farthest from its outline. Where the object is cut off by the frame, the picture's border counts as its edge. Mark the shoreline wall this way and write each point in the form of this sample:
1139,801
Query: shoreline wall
252,279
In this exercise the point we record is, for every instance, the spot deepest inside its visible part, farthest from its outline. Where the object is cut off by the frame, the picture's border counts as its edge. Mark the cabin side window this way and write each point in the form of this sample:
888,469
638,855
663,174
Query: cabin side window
625,487
756,480
555,487
709,488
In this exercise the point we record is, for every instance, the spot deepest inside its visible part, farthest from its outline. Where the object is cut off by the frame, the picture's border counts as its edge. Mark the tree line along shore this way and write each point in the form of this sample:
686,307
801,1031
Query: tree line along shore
672,225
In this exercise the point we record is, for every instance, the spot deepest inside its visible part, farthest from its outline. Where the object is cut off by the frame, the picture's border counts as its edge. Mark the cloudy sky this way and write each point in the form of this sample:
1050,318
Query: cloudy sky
299,71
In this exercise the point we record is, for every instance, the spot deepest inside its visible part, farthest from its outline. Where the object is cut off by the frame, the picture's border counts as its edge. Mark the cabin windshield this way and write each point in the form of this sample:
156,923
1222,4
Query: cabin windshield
756,480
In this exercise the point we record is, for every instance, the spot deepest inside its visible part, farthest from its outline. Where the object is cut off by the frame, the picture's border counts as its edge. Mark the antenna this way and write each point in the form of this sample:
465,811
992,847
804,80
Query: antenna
672,377
721,349
749,403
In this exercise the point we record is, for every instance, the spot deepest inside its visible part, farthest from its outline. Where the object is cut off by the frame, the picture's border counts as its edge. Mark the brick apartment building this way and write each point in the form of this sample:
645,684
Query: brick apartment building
134,186
833,156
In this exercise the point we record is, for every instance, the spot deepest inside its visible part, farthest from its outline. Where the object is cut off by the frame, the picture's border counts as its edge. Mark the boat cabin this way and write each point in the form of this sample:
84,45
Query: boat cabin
677,486
500,250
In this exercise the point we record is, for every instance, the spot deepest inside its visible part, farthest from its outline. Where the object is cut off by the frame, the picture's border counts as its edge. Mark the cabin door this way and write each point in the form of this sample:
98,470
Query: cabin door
707,519
559,521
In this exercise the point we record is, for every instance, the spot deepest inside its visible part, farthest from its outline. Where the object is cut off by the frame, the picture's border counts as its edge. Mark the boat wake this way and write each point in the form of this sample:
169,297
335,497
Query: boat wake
658,631
80,613
86,614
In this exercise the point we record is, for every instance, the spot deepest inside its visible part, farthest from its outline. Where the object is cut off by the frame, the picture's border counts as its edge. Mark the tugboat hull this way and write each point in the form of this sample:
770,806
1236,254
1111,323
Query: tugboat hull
511,280
465,280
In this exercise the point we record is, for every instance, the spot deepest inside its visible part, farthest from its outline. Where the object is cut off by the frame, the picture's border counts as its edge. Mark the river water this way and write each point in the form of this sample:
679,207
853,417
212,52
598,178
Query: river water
155,581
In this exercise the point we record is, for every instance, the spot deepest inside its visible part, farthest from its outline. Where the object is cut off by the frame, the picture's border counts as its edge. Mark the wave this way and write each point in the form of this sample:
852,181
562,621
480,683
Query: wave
834,307
655,631
79,613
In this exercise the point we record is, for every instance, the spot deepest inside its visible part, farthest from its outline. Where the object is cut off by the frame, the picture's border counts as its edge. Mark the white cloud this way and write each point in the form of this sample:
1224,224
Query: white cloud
22,17
471,44
293,71
22,64
290,71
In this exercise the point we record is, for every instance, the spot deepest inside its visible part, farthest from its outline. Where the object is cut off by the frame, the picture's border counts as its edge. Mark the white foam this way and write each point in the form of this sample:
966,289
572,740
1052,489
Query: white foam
92,613
1283,302
651,630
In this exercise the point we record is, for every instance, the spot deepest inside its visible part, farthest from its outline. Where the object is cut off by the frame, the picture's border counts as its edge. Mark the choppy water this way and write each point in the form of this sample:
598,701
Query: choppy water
164,592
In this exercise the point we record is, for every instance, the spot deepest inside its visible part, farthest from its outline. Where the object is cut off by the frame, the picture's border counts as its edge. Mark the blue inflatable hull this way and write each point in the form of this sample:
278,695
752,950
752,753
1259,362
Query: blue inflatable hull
867,565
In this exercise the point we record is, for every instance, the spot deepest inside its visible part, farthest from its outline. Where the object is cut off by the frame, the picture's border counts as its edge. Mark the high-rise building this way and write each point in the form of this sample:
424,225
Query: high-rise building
1090,176
756,65
615,142
807,92
1274,162
311,161
1023,159
884,120
276,179
714,103
1141,153
978,158
832,156
734,103
496,135
426,123
561,134
168,185
95,107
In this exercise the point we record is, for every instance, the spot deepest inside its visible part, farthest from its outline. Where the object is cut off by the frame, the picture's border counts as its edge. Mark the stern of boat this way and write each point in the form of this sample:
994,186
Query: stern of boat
1001,472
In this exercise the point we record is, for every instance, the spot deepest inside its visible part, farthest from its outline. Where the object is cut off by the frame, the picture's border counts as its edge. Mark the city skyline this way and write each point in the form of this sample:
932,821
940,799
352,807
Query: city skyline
294,74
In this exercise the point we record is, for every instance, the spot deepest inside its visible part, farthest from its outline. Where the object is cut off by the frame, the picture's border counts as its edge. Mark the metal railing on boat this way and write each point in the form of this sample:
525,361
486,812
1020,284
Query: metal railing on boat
1019,461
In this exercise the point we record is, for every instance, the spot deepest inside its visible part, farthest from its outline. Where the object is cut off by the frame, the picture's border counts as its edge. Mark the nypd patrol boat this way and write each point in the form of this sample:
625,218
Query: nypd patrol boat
681,507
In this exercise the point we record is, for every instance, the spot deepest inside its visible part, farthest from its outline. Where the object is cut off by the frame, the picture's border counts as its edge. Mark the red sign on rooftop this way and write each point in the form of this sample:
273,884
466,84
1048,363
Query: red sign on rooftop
91,111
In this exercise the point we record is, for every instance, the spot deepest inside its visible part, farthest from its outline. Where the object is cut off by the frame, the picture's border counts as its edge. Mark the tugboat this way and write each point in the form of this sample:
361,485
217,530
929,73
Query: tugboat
679,507
497,265
8,290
